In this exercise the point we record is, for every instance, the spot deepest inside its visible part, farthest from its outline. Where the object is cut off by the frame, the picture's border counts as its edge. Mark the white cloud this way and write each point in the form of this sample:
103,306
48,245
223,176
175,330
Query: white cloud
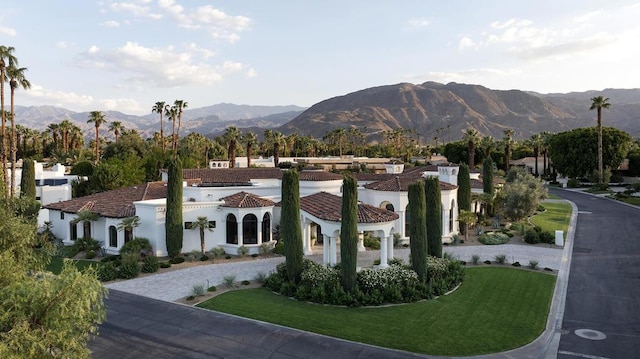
466,42
205,53
7,31
477,76
121,104
111,23
163,67
61,45
45,96
129,7
251,73
418,22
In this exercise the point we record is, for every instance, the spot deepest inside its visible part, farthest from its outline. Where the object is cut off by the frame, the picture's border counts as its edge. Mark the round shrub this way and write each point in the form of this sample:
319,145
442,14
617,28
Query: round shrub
204,258
176,260
165,265
532,237
138,246
371,242
547,237
150,264
212,288
279,248
218,252
90,254
493,238
107,272
245,282
130,268
110,258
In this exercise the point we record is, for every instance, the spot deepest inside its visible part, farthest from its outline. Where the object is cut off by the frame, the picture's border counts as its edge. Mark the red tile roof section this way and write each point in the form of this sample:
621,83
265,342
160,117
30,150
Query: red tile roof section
319,176
117,203
230,175
329,207
246,200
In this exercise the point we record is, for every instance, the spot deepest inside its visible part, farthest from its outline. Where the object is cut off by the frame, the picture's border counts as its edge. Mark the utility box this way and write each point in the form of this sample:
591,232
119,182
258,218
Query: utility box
559,238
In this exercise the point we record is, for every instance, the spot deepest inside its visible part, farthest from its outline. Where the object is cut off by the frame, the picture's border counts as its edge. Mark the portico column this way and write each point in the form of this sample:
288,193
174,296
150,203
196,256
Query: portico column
361,242
240,233
259,231
383,252
332,251
390,246
325,249
306,238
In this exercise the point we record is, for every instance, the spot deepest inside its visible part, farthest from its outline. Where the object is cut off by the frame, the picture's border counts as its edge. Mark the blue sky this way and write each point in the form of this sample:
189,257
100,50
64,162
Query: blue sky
107,55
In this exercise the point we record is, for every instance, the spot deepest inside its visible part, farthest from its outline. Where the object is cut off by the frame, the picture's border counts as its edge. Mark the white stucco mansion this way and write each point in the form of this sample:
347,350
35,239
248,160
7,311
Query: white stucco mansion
242,205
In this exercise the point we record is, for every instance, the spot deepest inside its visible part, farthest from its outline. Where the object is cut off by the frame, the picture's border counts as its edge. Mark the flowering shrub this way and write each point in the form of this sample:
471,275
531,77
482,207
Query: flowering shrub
493,238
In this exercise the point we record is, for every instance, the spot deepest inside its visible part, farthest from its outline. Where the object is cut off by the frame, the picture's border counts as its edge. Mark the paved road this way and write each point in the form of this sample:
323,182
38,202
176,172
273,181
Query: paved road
604,282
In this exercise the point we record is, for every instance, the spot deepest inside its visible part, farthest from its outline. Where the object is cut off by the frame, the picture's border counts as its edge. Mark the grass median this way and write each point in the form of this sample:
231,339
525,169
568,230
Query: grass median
556,217
495,309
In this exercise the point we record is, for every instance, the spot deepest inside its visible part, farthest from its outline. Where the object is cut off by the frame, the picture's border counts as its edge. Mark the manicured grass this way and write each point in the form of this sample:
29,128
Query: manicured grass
55,265
495,309
556,216
631,200
553,196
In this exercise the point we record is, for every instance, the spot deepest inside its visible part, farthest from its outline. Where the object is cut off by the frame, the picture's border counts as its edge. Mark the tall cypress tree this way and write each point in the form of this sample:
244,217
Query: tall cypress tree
173,223
487,183
290,227
28,180
434,216
349,233
464,192
418,229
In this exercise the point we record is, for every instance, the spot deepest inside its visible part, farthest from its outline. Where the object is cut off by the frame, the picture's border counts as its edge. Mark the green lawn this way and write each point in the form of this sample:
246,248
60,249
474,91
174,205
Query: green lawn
55,265
494,310
631,200
553,196
556,216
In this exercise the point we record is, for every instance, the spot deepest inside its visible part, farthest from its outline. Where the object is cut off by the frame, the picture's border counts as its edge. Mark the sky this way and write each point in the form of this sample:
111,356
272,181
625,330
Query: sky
87,55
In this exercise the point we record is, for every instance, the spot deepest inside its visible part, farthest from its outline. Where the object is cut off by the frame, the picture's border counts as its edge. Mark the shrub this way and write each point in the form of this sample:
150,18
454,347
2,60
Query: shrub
532,236
548,269
197,290
265,248
227,257
107,272
487,262
165,265
212,288
245,282
204,258
573,183
260,277
493,238
138,245
150,264
533,264
242,251
279,248
501,258
176,260
230,281
547,237
130,268
90,254
371,242
475,259
87,244
516,264
218,252
193,256
190,298
255,255
110,258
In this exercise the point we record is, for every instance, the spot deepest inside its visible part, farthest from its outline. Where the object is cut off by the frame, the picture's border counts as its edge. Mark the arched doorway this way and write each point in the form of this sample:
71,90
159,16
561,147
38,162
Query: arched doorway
451,212
232,229
113,236
266,228
250,229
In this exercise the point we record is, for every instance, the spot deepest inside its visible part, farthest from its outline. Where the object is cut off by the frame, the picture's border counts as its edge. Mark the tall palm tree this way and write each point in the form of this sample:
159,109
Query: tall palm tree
598,103
231,136
278,141
179,105
202,224
97,118
64,128
6,59
508,142
172,115
250,141
77,138
53,130
159,108
546,138
16,79
487,143
536,143
472,137
116,127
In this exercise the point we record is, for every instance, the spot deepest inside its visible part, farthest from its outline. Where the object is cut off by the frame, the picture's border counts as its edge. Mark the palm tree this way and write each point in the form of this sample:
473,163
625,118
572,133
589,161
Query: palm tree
202,224
598,103
179,105
6,58
116,127
536,142
250,141
469,219
77,138
546,138
127,225
172,115
278,140
231,136
472,137
53,130
64,128
487,143
97,118
508,142
16,79
86,217
159,108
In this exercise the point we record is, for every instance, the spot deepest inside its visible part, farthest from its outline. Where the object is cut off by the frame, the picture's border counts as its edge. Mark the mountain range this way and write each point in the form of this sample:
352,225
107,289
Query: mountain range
430,109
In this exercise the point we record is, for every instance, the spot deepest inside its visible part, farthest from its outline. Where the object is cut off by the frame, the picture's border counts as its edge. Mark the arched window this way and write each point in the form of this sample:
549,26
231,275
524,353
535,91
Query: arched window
128,234
451,212
113,236
389,207
73,231
266,228
250,229
407,222
232,229
86,229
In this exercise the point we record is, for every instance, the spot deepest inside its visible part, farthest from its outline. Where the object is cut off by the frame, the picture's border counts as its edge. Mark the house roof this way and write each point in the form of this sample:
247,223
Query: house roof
246,200
328,207
401,182
229,175
117,203
319,176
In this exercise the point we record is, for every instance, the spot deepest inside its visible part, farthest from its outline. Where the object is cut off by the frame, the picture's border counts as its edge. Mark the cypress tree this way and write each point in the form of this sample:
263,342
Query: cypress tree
349,233
464,192
418,229
173,223
434,216
28,180
487,182
290,227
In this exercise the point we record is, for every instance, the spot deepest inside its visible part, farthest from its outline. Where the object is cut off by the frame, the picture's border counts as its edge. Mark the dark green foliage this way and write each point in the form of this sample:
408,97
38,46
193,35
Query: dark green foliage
173,223
434,216
110,258
349,233
371,242
464,188
176,260
634,163
25,208
130,268
279,248
165,265
150,264
84,168
28,180
107,272
418,229
487,182
138,245
290,228
575,153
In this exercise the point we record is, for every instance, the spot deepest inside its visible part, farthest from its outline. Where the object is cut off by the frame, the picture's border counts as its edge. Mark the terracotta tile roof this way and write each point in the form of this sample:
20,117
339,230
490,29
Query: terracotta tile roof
246,200
476,183
329,207
229,175
373,176
117,203
400,183
319,176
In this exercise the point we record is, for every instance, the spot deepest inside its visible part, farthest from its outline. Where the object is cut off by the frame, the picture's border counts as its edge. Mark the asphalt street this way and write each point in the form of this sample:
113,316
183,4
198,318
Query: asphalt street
602,313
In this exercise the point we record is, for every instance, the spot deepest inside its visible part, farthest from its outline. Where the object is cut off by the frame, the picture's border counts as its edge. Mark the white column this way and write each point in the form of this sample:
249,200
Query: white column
306,235
389,246
402,226
383,252
240,233
325,249
259,231
332,251
361,242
